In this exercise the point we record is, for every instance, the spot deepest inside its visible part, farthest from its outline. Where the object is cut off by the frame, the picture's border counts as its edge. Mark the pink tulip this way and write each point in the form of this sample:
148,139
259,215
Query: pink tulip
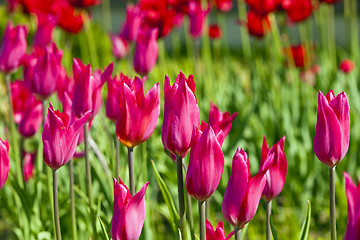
138,113
60,137
146,51
13,47
181,113
353,200
131,27
120,47
220,121
276,175
332,133
218,233
197,18
28,165
87,92
347,66
243,192
32,121
206,163
65,84
4,162
41,70
129,212
45,26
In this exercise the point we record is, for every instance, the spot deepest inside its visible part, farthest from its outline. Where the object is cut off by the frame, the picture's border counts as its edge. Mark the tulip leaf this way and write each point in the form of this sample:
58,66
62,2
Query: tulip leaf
175,219
273,231
105,235
304,234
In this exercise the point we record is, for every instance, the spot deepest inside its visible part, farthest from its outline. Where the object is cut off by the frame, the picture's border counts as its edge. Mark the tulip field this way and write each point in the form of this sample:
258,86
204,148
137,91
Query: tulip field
179,119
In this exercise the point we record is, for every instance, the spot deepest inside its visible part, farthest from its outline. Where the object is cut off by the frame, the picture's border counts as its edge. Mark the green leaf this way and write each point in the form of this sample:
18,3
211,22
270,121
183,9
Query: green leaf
175,219
105,235
273,231
244,230
304,234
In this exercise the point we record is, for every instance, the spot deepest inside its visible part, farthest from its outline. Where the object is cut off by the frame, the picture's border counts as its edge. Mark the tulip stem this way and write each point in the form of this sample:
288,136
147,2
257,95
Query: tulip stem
180,182
117,157
237,233
12,129
332,202
56,205
72,202
188,206
131,170
268,227
202,220
88,178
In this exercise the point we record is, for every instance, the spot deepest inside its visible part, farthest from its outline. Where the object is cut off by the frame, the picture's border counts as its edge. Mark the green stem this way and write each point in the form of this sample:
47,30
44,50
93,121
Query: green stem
106,11
72,202
180,183
13,140
91,42
237,233
131,170
245,39
117,157
189,207
202,220
56,206
88,178
332,202
268,227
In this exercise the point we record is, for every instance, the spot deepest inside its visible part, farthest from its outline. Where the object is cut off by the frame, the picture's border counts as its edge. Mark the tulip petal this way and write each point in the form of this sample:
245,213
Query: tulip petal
353,200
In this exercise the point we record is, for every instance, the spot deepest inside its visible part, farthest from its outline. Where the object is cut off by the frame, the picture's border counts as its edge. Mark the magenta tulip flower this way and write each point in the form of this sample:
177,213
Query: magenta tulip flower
131,27
197,18
13,47
146,51
87,92
353,200
41,70
45,26
276,175
181,113
332,133
129,212
4,162
31,122
138,113
206,163
120,46
243,192
28,165
218,233
220,121
60,137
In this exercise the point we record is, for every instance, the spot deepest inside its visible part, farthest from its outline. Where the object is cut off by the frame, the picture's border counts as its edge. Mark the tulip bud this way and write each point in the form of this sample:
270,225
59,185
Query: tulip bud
146,51
45,27
218,233
347,66
206,163
120,47
138,113
220,121
131,27
181,113
257,25
276,175
87,92
243,192
31,122
332,133
60,137
4,162
197,18
353,201
129,212
13,47
41,70
28,165
215,31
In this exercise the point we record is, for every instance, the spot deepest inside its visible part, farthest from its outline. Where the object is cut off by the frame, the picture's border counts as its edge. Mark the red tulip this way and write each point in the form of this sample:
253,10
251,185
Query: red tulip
218,233
223,5
197,18
45,26
181,113
262,7
28,165
206,163
41,70
299,55
347,66
60,137
129,212
146,51
243,192
131,27
120,47
4,162
84,3
297,10
276,175
87,92
332,133
13,47
138,113
214,31
220,121
257,26
68,18
353,201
